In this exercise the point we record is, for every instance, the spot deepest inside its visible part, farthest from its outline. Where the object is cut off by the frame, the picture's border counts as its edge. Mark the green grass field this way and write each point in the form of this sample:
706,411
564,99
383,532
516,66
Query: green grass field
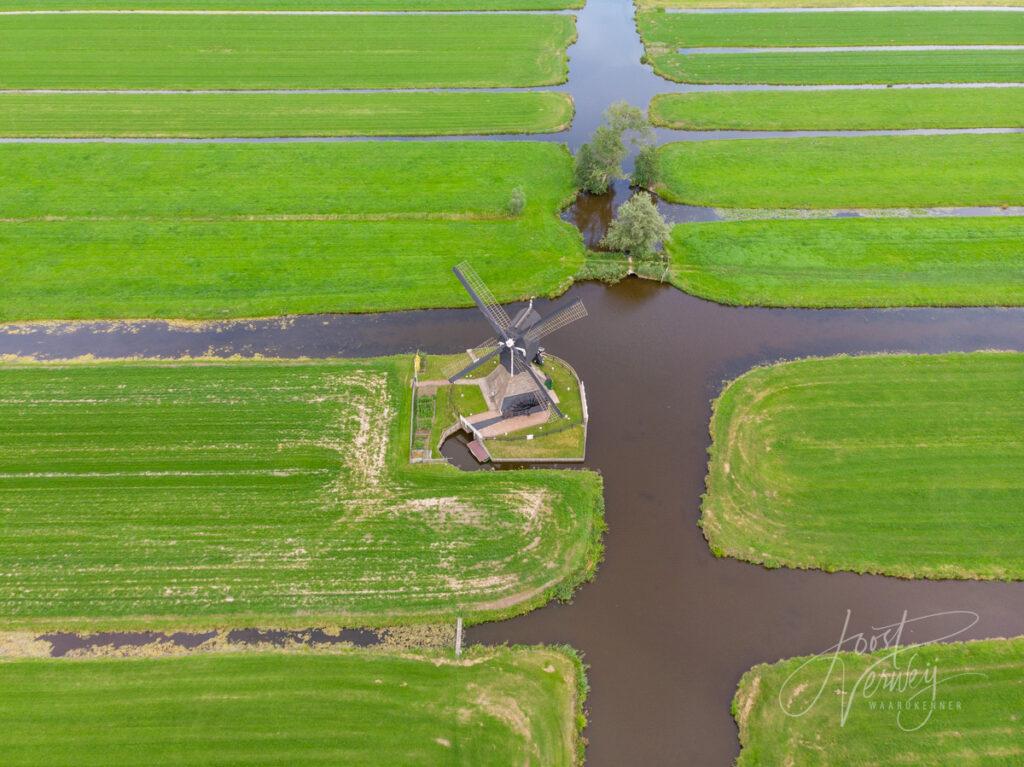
206,231
880,67
865,172
678,30
979,695
500,706
248,115
841,110
291,5
237,52
647,4
217,493
901,465
852,262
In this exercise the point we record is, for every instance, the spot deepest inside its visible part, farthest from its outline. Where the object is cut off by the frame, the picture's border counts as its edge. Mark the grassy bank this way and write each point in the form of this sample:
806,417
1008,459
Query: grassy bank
866,172
233,52
900,465
852,262
250,115
244,230
678,30
979,694
356,708
721,4
262,493
879,67
841,110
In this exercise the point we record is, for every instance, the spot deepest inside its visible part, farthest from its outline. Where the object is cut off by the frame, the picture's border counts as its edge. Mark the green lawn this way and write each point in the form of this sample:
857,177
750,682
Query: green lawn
320,114
852,68
233,52
502,706
979,695
864,172
852,262
679,30
222,493
201,231
901,465
841,110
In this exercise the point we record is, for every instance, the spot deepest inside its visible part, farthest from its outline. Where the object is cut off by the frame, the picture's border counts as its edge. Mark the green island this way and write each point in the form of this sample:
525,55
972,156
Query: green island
726,4
272,493
494,706
858,262
862,172
220,231
262,51
974,721
556,440
904,465
841,110
243,115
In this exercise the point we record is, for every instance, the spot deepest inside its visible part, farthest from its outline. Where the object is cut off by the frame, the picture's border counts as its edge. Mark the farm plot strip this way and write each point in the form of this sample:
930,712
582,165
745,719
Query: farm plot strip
254,51
866,172
900,465
208,231
295,5
789,68
886,109
353,708
884,47
201,493
791,712
266,115
671,31
852,262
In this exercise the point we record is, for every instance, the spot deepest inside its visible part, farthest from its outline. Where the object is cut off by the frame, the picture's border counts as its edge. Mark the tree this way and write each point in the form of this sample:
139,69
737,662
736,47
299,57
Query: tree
647,167
639,228
599,162
516,202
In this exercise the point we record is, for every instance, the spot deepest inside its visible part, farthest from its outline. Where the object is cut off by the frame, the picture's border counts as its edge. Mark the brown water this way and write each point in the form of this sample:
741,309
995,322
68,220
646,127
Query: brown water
666,628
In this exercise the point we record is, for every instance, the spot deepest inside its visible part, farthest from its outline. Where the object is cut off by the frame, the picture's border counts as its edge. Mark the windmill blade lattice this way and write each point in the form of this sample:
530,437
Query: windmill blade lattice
489,304
561,318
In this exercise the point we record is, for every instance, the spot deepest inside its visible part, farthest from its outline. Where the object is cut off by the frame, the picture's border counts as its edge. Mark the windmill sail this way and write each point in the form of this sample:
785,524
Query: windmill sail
483,297
561,318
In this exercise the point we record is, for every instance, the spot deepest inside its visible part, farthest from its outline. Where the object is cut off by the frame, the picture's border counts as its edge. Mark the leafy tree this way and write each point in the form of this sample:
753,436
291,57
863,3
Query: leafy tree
516,202
647,167
639,228
599,162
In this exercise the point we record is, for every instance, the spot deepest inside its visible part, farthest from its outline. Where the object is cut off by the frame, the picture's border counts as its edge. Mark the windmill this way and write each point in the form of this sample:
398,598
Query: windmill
515,387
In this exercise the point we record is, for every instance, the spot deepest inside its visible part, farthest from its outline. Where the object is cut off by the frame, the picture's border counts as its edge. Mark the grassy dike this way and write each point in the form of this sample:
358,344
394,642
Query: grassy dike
905,465
852,262
198,115
219,231
497,706
262,51
841,110
292,5
203,493
865,172
979,694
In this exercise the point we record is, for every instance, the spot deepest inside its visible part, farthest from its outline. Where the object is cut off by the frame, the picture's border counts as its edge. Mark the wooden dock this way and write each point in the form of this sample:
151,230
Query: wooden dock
476,447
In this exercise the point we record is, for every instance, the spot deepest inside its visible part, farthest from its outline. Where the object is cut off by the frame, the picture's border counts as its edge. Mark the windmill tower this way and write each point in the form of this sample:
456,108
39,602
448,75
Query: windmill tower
515,386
